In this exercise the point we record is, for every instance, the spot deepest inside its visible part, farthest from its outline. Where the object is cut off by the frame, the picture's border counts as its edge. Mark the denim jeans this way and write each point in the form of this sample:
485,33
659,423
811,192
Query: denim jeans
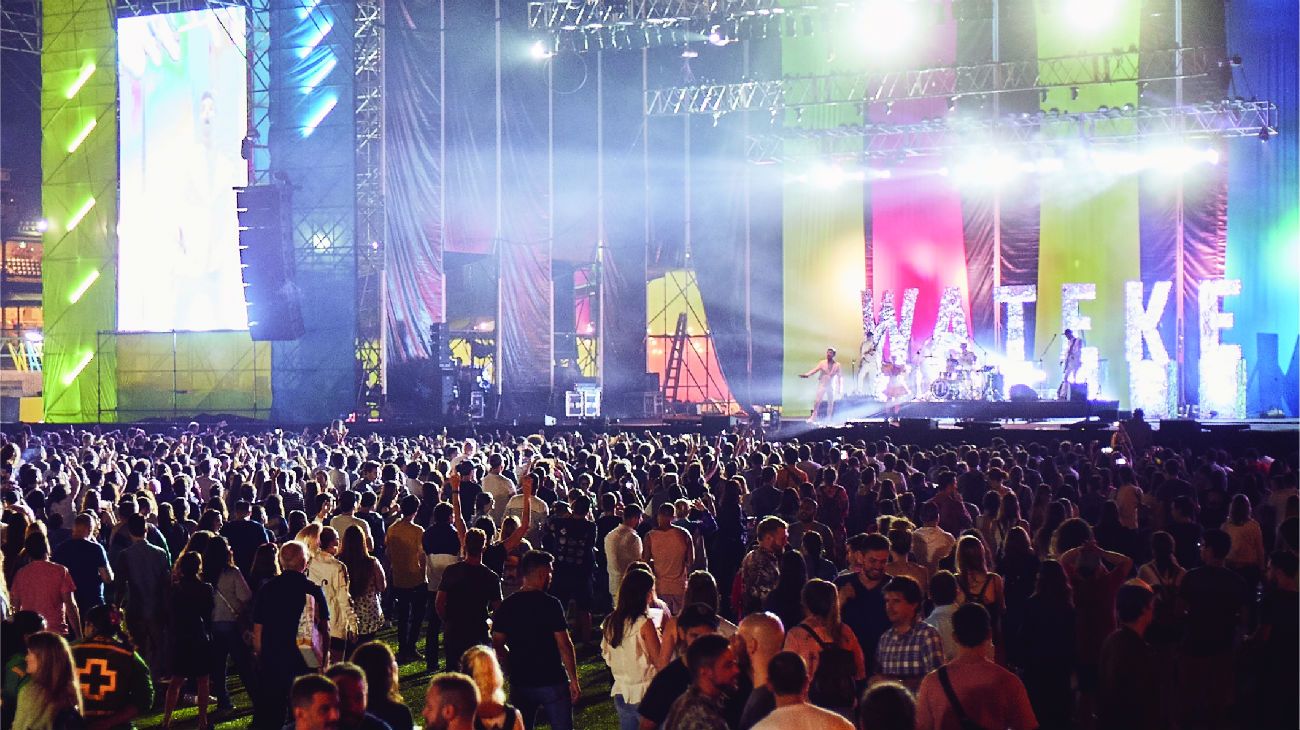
408,604
228,642
554,700
628,718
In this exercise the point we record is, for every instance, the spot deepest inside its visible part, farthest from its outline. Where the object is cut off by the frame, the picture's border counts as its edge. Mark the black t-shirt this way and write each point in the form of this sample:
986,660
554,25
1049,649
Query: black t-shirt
278,607
758,705
530,620
1214,597
441,540
245,537
1187,543
865,615
83,559
669,684
471,589
572,540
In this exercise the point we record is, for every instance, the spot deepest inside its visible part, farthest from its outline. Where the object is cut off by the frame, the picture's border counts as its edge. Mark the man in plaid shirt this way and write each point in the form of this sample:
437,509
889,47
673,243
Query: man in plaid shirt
911,648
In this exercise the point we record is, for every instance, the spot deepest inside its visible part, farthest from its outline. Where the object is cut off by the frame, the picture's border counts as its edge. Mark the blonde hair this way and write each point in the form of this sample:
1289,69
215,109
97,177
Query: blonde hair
309,536
480,663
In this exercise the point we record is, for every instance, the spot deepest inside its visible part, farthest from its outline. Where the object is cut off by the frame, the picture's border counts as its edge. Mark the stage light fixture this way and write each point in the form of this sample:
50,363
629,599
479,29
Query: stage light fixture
319,116
1074,93
1265,134
688,52
1091,16
82,77
539,51
80,214
42,225
72,374
81,136
80,291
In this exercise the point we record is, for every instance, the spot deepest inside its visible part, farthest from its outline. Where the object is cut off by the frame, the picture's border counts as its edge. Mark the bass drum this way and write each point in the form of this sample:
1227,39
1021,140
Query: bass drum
940,389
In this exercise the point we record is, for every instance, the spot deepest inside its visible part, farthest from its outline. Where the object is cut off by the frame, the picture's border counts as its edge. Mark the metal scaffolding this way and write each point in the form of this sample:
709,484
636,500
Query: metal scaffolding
1038,74
1224,119
368,58
596,25
20,26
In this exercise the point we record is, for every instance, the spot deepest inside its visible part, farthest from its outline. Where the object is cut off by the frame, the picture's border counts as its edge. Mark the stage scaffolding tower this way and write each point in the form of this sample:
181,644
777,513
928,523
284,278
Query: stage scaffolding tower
368,58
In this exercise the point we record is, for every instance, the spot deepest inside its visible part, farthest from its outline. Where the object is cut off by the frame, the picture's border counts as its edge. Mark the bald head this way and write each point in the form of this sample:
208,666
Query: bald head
763,629
293,557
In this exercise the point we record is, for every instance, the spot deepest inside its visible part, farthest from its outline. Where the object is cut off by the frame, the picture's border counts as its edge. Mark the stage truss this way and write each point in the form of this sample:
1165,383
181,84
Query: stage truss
601,25
20,26
1043,130
368,83
953,82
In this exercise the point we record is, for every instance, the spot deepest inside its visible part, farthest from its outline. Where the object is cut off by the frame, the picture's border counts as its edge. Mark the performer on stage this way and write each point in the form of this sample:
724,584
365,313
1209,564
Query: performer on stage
1071,364
966,359
869,367
829,383
896,389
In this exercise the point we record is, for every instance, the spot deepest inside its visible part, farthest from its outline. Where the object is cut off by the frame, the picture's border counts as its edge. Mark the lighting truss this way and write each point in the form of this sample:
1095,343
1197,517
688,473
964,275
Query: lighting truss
20,26
368,82
948,81
1226,119
589,25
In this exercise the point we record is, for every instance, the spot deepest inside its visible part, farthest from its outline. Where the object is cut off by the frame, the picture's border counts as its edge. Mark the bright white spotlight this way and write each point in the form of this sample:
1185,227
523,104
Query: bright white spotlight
1091,16
539,51
887,28
1210,155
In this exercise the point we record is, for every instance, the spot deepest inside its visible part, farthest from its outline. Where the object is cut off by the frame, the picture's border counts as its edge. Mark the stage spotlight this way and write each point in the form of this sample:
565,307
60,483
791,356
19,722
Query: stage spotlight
1265,134
1074,93
539,51
1091,16
689,53
718,38
887,29
42,225
1042,96
1210,155
952,103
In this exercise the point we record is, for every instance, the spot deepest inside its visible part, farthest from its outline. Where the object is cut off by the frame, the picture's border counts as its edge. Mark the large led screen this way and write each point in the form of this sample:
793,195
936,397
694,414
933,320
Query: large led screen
183,90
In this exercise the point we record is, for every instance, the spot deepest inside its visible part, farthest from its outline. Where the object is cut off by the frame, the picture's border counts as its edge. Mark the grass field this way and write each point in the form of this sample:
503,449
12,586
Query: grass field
595,711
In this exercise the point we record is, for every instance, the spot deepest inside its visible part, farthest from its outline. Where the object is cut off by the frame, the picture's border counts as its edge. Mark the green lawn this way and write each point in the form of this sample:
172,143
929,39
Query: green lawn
595,710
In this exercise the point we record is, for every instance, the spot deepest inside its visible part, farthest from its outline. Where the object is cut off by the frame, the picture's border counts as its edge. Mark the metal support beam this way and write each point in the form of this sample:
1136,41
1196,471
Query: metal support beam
20,26
949,81
368,84
1199,121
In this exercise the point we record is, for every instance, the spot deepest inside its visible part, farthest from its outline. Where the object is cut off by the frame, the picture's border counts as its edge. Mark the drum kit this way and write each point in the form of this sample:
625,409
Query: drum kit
964,381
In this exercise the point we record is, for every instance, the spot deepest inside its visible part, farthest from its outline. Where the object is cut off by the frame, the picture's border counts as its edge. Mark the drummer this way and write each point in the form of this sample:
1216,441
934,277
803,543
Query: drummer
966,359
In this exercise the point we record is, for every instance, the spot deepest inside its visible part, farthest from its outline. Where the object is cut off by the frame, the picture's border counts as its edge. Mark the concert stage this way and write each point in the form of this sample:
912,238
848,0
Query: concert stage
851,409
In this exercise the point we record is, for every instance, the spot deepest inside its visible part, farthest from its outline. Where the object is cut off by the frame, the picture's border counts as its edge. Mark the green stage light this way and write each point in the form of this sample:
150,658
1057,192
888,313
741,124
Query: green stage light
81,136
72,374
81,213
85,284
86,72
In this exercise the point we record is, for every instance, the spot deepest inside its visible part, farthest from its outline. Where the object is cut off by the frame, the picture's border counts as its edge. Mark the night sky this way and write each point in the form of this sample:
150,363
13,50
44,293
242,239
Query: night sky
20,127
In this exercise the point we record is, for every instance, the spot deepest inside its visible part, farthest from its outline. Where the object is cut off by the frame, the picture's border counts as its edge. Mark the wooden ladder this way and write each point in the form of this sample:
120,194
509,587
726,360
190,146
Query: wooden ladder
676,357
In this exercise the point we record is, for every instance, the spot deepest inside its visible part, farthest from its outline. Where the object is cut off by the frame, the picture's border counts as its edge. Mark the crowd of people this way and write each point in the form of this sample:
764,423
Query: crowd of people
727,582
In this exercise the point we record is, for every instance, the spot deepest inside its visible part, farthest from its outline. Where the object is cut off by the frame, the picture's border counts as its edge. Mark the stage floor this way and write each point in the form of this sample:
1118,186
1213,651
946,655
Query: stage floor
964,410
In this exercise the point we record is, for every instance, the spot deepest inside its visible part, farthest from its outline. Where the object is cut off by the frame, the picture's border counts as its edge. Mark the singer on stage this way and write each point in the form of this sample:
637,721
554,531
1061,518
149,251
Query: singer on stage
829,382
1071,365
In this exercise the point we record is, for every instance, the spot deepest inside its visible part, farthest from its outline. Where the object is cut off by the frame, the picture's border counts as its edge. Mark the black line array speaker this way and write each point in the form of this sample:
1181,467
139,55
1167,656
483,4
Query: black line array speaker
266,262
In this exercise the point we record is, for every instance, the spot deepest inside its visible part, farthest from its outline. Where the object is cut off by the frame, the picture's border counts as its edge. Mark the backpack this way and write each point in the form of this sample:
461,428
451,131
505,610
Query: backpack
832,685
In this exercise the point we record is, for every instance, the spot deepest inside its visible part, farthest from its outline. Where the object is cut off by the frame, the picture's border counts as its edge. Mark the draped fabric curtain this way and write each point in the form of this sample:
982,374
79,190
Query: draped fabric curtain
415,273
1263,214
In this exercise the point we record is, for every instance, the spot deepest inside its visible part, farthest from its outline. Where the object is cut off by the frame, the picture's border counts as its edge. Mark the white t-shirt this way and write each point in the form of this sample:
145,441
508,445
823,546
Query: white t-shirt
804,717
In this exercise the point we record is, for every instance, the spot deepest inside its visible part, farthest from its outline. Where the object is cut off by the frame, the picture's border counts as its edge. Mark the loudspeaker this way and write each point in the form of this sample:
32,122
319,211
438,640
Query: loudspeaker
717,424
266,263
1181,429
1023,393
1079,392
916,424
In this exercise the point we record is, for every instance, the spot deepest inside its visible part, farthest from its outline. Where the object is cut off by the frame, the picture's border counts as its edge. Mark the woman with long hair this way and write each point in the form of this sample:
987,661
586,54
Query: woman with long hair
366,583
632,646
821,627
1055,514
785,599
1043,647
190,633
51,697
976,584
702,587
1007,520
480,663
1165,576
264,567
1247,555
230,616
383,698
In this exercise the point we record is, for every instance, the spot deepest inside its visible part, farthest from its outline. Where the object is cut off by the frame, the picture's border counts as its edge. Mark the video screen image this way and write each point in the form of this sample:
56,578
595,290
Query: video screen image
182,87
